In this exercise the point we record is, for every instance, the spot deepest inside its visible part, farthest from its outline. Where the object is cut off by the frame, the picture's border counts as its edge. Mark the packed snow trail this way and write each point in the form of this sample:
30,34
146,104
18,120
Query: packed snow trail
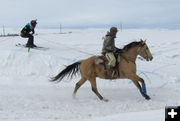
26,93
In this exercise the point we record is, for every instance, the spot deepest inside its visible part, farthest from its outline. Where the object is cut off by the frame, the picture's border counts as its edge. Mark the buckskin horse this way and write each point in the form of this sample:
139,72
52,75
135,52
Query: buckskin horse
89,70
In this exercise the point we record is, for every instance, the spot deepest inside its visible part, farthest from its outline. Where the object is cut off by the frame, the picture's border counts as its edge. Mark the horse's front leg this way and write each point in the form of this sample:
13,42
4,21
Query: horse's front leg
141,88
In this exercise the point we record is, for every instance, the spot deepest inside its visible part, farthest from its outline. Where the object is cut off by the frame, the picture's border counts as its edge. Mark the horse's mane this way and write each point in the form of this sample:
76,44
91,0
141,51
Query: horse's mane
130,45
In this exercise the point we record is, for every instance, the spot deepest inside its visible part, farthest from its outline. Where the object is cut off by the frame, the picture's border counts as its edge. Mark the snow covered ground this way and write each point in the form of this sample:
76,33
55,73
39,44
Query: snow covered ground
27,95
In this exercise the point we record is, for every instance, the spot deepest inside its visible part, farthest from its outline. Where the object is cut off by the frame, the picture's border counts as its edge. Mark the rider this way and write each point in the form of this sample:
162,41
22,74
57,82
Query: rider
109,48
25,33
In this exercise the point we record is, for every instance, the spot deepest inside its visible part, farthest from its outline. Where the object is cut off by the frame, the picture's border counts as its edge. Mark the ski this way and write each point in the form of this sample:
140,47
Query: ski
38,47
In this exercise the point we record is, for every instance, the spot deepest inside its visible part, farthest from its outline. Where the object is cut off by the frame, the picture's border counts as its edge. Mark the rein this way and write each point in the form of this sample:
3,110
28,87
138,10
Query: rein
131,57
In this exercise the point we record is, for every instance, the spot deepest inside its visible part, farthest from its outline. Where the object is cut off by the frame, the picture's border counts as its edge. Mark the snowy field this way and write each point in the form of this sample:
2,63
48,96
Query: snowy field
27,95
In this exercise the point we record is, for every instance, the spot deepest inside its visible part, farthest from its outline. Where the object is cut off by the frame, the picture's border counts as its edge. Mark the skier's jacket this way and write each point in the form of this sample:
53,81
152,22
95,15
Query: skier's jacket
27,29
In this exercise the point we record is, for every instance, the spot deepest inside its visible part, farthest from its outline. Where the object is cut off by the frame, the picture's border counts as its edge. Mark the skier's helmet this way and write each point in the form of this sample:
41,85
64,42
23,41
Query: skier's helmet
33,23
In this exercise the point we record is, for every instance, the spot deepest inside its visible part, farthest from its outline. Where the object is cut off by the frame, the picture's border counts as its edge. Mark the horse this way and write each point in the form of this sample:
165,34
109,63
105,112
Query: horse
89,70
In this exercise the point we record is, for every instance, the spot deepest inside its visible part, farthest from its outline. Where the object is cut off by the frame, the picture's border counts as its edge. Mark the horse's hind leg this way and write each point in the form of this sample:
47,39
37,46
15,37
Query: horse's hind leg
142,89
94,89
78,85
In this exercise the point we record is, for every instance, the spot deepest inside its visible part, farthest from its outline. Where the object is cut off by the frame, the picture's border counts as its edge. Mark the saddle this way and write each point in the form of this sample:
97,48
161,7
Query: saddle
110,73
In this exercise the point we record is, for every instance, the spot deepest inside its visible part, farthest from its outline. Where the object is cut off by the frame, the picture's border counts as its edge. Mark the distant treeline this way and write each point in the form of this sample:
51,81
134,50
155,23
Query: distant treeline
9,35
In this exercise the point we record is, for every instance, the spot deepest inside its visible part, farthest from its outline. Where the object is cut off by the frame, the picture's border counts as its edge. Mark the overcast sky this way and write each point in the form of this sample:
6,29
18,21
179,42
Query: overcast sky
91,13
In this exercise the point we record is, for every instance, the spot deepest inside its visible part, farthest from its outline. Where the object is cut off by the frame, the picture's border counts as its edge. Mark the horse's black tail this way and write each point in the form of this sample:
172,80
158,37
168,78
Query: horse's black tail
68,71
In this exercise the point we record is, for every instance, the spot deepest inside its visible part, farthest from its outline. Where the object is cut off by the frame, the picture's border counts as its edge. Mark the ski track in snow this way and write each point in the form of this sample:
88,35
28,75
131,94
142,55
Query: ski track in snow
26,93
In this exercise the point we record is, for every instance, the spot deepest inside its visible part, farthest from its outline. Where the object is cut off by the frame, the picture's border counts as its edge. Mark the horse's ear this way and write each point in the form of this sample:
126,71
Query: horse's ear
143,42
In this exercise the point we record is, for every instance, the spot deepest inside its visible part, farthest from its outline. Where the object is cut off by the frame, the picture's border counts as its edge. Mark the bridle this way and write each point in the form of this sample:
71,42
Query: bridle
144,50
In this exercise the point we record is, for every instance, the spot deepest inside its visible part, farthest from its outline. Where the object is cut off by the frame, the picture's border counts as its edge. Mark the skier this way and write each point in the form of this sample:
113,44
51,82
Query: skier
28,31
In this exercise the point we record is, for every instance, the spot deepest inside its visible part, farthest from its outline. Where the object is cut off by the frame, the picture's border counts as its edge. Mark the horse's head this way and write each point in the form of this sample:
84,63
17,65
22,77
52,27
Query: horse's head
144,51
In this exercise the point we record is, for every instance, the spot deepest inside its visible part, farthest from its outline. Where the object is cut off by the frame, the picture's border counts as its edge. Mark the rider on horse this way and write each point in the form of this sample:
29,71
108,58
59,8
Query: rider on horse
109,49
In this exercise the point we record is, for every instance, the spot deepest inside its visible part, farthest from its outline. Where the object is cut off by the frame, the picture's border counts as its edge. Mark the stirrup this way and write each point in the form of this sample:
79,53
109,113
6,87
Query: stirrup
115,73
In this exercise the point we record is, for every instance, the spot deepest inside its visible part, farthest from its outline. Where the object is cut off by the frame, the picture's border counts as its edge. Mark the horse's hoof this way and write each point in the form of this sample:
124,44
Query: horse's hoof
105,100
147,97
74,96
